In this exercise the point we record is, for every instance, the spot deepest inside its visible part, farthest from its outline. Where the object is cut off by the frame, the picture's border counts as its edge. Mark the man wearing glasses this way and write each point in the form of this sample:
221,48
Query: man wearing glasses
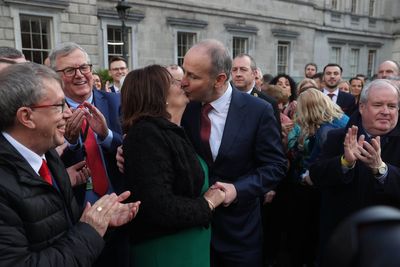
117,68
93,133
41,223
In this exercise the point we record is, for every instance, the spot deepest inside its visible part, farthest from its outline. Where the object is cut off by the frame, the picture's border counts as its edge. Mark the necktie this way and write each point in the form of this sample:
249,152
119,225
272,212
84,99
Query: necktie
205,131
44,172
94,161
331,96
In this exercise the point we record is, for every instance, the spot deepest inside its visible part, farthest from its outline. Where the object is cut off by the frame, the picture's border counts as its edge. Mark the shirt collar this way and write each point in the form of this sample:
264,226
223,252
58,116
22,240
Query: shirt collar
336,92
31,157
220,103
74,104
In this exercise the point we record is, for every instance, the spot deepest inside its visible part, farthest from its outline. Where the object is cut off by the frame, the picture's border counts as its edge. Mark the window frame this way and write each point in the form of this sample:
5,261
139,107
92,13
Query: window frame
247,44
177,57
288,45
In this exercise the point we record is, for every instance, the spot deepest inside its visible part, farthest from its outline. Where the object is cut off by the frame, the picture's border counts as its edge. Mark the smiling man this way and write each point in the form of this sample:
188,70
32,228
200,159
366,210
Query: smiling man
93,131
360,164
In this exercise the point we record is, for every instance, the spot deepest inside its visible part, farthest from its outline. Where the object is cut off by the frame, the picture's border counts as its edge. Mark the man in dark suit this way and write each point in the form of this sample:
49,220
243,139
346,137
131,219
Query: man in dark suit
244,71
244,151
332,77
360,165
93,133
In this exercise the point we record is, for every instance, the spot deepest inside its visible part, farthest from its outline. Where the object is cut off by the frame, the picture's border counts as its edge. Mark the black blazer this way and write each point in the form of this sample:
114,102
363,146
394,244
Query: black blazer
347,102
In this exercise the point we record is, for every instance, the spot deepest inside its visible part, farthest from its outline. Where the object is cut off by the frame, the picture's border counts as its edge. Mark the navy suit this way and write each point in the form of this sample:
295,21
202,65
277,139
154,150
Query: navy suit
347,102
116,250
250,157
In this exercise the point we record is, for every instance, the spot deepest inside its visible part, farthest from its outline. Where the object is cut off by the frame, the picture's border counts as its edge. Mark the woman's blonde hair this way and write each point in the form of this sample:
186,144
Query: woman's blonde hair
313,109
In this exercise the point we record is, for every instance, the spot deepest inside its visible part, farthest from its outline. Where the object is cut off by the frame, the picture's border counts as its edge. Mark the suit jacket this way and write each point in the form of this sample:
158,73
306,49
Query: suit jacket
251,157
345,193
274,104
109,106
347,102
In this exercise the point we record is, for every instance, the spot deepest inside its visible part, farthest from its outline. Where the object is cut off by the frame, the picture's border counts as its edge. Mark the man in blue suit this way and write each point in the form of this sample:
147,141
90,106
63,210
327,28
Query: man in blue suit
247,158
95,118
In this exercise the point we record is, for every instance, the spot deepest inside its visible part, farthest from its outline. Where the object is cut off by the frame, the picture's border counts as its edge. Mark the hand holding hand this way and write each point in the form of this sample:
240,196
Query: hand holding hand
230,192
214,197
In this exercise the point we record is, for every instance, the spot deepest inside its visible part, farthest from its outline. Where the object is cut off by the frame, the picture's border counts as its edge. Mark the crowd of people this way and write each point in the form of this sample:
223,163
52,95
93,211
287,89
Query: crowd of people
229,167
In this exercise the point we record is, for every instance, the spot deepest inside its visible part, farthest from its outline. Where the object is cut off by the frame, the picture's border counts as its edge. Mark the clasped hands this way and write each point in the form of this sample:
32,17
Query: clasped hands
93,116
108,211
226,193
359,149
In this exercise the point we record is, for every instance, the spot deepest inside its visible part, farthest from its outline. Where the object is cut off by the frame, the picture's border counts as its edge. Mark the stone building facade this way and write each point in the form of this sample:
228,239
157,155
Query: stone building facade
282,35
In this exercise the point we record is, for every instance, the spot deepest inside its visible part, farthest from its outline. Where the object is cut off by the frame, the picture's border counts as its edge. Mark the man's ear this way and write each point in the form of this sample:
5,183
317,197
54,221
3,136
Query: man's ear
24,117
220,80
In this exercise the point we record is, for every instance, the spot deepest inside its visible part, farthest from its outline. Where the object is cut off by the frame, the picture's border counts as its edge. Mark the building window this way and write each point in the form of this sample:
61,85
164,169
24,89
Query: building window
114,42
283,57
371,9
35,37
185,41
334,4
335,56
353,8
240,45
371,63
354,59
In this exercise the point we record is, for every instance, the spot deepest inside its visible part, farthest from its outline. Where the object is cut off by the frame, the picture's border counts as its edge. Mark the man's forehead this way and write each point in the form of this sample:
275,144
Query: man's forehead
118,63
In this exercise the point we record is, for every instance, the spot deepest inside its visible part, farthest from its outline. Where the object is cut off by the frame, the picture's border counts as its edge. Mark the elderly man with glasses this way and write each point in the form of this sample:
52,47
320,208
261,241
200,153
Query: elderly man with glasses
93,133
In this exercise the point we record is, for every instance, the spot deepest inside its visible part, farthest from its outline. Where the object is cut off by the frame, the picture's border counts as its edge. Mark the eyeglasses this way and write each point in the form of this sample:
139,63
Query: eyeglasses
60,107
119,69
71,71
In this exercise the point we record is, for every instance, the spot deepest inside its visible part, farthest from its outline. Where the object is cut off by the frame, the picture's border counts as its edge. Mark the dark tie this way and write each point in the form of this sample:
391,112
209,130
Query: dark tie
205,131
331,96
94,161
44,172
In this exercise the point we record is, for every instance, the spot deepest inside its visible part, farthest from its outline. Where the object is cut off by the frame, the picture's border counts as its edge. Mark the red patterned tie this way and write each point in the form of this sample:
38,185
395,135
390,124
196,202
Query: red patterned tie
95,162
331,96
44,172
205,131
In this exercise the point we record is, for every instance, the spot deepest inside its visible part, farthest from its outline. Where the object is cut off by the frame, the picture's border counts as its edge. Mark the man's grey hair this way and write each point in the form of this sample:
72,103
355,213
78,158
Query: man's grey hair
253,64
64,49
21,85
10,52
220,59
381,83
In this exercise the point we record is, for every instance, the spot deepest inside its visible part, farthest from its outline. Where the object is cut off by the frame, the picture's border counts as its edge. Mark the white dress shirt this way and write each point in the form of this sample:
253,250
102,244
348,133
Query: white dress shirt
336,93
218,117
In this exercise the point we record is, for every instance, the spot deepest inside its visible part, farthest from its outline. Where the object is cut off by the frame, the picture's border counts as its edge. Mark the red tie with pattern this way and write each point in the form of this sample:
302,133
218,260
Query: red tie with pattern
94,161
331,96
44,172
205,131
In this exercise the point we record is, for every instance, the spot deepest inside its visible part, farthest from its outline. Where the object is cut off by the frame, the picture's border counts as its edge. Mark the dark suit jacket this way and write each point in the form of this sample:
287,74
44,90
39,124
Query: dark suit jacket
347,102
343,194
251,157
274,104
109,105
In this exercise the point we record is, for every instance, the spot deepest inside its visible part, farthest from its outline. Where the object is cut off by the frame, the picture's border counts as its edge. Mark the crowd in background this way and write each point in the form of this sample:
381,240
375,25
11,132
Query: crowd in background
230,167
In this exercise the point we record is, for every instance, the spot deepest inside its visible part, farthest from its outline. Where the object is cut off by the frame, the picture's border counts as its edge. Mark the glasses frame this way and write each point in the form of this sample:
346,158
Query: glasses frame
62,105
75,69
119,69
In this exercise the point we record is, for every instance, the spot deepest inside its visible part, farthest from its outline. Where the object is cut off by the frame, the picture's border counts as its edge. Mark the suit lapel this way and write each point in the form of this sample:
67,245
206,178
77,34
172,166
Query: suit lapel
233,124
100,102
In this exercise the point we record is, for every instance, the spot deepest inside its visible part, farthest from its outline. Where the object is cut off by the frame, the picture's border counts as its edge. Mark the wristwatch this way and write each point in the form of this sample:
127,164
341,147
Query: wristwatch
381,170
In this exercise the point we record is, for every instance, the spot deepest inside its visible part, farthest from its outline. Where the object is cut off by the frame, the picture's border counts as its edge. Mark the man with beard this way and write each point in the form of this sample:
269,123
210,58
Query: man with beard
310,70
332,77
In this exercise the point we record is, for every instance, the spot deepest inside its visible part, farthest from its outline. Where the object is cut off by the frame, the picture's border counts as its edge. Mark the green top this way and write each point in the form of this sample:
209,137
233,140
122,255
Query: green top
187,248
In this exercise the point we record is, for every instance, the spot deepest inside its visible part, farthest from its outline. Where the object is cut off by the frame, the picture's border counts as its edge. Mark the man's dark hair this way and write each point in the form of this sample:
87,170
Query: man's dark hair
318,75
333,65
9,52
113,59
267,78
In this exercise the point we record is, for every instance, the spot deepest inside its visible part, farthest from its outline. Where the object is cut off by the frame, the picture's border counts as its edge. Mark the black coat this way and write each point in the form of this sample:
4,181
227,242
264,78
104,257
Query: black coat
39,225
163,172
343,194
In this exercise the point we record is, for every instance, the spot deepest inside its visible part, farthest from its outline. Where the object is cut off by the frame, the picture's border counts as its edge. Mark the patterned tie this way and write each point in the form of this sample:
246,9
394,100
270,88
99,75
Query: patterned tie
205,132
331,96
44,172
94,161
